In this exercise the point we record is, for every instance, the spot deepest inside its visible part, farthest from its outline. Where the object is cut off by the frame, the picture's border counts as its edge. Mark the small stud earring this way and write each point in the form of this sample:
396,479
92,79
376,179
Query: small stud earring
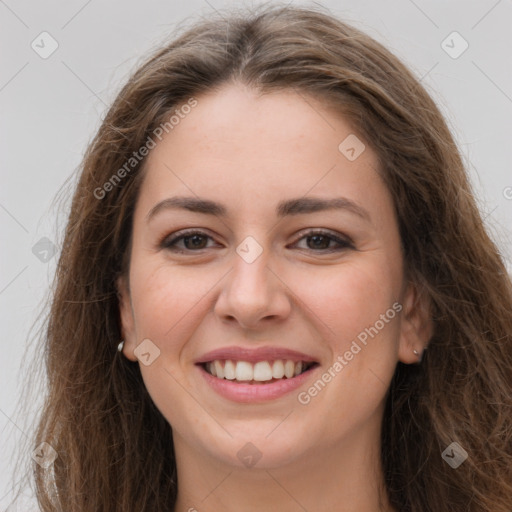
419,355
120,346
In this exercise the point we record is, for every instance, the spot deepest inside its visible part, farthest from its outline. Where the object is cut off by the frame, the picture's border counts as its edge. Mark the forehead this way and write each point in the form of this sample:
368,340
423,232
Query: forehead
237,118
259,148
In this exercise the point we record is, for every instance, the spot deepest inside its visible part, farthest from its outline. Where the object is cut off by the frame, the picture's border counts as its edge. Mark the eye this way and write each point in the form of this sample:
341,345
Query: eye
194,241
184,241
324,241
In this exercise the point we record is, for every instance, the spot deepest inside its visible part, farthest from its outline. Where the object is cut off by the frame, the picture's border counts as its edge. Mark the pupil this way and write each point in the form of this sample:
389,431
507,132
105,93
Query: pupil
196,241
320,241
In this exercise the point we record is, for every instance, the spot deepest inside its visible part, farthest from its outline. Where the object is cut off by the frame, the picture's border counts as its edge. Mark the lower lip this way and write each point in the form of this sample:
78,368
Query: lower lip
250,393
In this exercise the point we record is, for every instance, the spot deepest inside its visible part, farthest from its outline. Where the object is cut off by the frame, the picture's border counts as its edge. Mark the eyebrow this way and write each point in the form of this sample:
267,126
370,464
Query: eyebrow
298,206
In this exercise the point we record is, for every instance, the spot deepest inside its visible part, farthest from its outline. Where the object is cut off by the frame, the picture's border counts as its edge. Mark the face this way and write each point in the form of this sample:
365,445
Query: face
257,236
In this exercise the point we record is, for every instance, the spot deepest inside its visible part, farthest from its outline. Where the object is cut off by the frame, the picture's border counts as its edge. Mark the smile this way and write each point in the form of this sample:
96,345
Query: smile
244,382
259,372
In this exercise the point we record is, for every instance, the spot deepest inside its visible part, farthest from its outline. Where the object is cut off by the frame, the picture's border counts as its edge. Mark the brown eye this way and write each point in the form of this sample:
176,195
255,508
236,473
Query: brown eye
186,241
316,241
320,241
194,242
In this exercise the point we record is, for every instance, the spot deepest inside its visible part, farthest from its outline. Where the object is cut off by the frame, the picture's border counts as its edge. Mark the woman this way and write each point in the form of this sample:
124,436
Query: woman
276,224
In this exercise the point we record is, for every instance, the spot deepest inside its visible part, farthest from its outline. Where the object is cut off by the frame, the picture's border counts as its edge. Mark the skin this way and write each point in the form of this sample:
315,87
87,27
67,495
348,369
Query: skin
319,456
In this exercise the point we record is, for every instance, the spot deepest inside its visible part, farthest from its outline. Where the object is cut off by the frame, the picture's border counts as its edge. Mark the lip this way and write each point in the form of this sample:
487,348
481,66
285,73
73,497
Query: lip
254,355
253,393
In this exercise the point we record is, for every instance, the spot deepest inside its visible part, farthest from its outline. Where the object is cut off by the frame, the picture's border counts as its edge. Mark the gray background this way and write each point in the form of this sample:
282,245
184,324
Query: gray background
51,108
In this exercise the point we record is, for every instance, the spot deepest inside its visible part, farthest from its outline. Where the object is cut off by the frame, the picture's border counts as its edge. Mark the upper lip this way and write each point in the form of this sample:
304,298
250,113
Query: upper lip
254,355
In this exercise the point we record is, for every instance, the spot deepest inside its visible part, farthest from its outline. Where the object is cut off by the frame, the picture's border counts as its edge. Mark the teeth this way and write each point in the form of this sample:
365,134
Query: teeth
229,370
278,369
219,371
289,369
261,371
243,371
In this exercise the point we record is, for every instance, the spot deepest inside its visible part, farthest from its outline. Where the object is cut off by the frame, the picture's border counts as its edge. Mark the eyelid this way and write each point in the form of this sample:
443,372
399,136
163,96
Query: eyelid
323,231
343,241
176,236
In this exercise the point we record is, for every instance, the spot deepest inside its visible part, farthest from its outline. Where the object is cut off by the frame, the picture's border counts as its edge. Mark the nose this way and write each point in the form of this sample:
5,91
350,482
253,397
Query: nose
253,295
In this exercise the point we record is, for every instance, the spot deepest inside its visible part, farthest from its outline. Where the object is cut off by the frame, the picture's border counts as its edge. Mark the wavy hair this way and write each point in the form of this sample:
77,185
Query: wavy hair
115,449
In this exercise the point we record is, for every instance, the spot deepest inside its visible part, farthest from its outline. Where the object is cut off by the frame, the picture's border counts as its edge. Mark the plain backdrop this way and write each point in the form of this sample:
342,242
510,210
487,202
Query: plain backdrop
52,106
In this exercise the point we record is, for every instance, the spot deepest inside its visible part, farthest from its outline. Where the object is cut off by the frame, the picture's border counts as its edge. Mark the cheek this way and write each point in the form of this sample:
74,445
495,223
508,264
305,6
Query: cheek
166,301
165,298
345,299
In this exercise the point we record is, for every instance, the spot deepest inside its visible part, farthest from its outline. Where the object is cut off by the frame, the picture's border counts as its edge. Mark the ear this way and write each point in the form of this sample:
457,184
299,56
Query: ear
127,319
416,325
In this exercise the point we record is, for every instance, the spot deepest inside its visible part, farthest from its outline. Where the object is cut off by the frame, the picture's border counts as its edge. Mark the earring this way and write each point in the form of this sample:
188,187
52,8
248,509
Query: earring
120,346
419,355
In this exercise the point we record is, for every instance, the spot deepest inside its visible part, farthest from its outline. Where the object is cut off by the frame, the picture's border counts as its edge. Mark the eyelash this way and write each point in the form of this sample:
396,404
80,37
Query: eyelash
169,242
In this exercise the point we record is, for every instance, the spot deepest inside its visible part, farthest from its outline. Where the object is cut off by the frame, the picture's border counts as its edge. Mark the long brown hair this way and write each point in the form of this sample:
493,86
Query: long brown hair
115,449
